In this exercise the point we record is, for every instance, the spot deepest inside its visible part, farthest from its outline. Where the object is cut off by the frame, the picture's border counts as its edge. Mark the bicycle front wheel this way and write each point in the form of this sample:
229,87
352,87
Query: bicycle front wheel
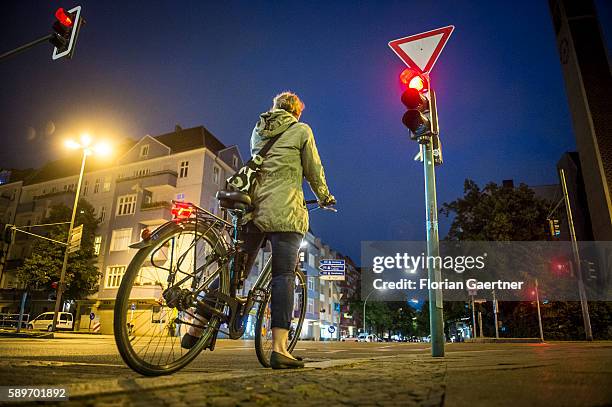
148,328
263,328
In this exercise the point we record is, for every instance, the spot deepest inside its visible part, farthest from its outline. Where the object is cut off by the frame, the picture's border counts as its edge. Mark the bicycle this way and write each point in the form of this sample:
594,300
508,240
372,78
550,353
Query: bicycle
194,262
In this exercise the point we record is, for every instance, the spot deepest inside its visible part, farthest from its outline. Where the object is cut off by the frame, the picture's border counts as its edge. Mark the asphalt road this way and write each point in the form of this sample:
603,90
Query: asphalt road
337,373
74,358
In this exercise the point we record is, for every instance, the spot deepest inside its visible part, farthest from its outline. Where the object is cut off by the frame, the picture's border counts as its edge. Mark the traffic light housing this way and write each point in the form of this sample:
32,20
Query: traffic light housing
418,106
8,235
65,31
554,228
560,266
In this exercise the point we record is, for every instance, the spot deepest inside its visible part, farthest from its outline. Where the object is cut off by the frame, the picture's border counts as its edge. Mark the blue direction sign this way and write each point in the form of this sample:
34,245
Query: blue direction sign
332,269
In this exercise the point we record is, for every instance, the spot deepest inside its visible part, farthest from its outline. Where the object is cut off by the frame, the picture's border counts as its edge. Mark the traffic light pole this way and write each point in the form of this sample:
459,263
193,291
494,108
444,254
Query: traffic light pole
60,288
25,46
584,305
436,322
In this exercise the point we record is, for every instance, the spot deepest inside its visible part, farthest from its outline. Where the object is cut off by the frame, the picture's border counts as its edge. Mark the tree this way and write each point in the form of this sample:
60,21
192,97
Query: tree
497,213
44,265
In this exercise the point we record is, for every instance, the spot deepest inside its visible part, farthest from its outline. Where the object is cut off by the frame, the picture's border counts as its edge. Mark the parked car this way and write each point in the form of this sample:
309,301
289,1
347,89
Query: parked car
349,339
45,321
368,338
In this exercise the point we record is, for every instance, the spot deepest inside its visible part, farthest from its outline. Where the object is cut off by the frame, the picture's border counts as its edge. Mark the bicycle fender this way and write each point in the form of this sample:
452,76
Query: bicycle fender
161,230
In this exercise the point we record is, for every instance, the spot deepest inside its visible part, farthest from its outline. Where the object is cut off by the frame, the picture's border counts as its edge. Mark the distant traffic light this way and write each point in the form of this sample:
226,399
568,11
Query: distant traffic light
65,31
560,266
554,228
9,234
418,114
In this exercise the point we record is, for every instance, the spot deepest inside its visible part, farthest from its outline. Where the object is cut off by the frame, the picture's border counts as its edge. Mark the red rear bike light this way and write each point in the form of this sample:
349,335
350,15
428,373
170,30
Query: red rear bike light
181,210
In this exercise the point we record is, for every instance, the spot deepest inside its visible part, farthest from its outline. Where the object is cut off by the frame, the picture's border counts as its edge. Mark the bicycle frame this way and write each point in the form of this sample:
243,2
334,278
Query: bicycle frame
238,307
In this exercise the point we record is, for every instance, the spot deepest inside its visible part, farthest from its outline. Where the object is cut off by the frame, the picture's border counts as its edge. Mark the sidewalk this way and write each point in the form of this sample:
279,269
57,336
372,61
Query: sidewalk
551,374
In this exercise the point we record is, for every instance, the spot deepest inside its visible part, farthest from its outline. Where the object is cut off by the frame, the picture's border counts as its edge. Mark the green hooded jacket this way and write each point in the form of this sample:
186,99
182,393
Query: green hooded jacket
278,198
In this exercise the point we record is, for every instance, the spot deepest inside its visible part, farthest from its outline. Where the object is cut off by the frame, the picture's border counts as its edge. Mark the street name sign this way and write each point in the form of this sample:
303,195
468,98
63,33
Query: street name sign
74,243
332,269
421,51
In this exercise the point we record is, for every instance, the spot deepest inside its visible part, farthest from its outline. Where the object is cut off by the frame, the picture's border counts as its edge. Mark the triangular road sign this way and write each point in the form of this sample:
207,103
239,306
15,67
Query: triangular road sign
421,51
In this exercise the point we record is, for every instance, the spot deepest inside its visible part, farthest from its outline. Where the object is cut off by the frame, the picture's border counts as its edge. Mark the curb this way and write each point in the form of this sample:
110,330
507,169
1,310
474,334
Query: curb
505,340
44,335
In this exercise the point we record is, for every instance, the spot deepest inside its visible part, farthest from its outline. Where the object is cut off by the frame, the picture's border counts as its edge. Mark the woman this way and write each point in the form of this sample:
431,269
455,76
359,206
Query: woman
279,214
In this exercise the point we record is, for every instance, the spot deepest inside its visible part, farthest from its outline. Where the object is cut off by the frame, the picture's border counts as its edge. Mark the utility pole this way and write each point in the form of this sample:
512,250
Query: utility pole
495,311
537,294
577,266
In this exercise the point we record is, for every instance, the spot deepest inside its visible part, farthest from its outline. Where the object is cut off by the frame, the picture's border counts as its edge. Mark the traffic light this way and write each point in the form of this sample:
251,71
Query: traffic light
418,115
9,234
560,266
554,228
65,31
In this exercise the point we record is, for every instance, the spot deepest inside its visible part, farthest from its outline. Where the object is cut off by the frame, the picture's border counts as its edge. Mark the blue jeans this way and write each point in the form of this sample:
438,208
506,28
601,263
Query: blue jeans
285,246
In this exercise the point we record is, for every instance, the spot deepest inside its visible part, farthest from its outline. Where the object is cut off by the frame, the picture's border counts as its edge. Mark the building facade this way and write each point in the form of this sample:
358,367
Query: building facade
135,192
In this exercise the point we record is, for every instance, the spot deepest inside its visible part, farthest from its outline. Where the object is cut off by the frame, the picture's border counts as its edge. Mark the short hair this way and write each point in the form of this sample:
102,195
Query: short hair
290,102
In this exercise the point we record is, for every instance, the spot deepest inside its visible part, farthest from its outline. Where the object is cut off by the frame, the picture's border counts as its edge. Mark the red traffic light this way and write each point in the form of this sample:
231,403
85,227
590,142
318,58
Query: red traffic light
63,18
54,285
414,80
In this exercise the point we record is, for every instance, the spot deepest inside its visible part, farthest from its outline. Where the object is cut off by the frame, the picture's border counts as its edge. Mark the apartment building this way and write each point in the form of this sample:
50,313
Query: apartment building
129,194
132,192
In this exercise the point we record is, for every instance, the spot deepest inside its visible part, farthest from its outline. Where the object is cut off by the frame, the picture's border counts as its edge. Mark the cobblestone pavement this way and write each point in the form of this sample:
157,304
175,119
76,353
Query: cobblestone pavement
552,374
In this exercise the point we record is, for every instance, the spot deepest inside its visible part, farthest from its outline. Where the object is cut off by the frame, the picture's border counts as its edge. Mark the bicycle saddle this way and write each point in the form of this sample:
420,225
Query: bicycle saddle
233,199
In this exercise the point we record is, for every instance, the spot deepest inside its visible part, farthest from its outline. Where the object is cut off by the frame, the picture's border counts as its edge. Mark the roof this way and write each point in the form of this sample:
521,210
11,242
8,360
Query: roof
190,139
178,140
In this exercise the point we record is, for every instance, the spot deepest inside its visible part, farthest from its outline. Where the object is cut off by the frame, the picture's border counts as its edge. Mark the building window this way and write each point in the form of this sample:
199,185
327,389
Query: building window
183,169
126,205
114,274
310,306
216,172
97,245
144,151
85,187
107,183
302,255
311,285
120,239
97,186
311,260
234,161
102,213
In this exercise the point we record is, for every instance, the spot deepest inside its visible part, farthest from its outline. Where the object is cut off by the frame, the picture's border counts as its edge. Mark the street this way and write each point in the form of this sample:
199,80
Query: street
336,373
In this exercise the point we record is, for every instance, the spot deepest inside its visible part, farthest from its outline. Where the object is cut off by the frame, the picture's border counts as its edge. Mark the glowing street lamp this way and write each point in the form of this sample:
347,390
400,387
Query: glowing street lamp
100,148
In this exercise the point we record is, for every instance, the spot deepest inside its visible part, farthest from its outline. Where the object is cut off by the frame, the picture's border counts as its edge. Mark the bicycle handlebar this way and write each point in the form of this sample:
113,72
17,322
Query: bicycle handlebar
325,208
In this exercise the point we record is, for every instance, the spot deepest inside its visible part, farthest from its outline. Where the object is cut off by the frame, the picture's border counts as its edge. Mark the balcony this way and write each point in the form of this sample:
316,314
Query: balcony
156,182
155,213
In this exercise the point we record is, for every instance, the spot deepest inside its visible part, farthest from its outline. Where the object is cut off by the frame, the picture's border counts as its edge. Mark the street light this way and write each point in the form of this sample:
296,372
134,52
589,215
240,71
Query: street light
100,148
364,309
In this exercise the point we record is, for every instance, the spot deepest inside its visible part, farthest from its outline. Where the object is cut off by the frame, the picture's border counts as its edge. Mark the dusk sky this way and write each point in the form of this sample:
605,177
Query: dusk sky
140,70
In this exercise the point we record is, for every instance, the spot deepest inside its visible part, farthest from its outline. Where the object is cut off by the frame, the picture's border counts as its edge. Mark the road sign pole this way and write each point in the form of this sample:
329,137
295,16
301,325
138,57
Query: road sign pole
539,314
60,288
436,322
474,334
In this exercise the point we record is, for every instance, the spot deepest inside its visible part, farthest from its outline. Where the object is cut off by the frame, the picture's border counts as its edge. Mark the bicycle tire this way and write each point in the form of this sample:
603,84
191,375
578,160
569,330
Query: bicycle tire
264,350
122,331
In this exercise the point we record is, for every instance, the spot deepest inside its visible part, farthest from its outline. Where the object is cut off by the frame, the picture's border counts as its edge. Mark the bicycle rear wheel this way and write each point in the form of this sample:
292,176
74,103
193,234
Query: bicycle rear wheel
263,328
148,330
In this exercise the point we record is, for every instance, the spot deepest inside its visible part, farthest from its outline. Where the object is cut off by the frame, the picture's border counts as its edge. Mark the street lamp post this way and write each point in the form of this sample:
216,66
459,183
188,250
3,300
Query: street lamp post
364,309
85,145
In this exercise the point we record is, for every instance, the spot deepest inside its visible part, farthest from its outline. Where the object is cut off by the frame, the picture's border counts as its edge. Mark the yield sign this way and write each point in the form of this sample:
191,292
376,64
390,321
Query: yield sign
421,51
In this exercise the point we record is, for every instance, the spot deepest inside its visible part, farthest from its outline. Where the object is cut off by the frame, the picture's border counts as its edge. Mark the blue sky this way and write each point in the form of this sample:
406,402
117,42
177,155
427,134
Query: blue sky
141,70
